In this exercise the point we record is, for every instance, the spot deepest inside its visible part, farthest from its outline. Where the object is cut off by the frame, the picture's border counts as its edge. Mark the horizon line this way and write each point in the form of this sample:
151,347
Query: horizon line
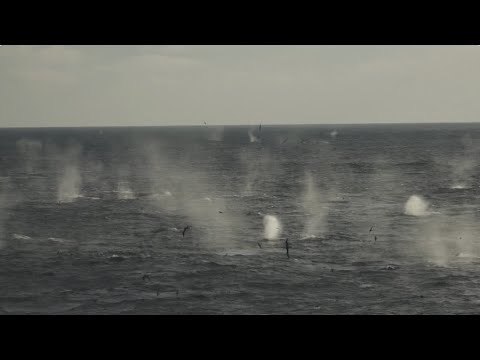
234,125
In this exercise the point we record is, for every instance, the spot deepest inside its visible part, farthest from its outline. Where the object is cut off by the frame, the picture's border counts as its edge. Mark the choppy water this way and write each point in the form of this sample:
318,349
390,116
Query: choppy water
91,220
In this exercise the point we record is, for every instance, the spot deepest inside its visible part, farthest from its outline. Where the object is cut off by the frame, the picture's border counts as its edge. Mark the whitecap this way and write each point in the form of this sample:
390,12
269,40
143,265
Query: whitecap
56,240
21,237
467,255
458,187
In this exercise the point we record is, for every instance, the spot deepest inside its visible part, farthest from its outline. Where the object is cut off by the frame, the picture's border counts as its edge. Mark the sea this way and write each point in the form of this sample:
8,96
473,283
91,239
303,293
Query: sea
240,220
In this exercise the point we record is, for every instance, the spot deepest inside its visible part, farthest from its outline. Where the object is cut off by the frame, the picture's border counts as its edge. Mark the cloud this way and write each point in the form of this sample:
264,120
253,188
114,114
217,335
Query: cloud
148,64
46,64
48,76
155,85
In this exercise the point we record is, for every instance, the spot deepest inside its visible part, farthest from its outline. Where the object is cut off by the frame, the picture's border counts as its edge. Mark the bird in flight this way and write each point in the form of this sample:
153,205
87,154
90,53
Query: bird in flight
370,230
185,229
259,245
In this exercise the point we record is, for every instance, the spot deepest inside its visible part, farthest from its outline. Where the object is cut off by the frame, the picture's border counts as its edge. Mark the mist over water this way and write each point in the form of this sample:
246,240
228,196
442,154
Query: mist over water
191,192
252,137
159,174
2,216
272,228
464,164
8,199
416,206
92,173
444,240
462,171
69,184
216,133
358,203
259,169
124,192
70,179
30,152
315,208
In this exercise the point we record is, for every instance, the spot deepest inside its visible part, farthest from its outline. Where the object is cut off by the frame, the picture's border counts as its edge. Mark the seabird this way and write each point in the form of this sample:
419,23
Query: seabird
287,247
185,229
145,277
220,212
371,229
284,141
375,237
259,245
205,123
260,127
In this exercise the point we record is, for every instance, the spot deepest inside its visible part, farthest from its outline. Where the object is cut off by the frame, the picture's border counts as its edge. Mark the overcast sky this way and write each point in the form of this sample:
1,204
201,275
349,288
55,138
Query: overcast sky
228,85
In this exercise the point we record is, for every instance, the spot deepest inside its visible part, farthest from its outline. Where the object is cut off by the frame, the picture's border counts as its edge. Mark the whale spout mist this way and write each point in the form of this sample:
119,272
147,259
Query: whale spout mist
416,206
70,183
272,227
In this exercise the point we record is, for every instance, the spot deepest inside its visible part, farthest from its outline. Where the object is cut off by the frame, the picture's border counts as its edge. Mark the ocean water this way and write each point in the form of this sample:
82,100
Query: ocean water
380,219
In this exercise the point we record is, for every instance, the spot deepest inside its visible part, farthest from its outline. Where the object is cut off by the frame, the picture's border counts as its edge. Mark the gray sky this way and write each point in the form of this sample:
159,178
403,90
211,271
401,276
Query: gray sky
228,85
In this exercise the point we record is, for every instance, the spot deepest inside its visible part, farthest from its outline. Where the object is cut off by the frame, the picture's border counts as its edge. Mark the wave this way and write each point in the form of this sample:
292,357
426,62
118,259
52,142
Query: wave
467,256
21,237
58,240
459,187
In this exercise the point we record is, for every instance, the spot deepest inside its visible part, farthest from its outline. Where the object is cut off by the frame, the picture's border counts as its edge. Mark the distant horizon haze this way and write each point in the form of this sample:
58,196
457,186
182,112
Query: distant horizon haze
222,85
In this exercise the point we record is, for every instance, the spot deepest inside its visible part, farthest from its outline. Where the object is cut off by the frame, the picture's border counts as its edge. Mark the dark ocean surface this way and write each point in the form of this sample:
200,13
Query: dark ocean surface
91,220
